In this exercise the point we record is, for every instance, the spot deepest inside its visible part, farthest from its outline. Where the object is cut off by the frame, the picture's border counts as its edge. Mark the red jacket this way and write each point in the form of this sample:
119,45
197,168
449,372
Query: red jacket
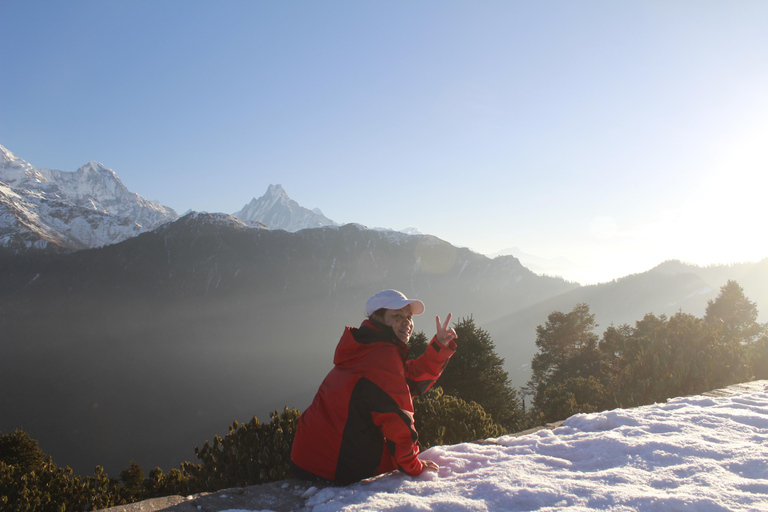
360,423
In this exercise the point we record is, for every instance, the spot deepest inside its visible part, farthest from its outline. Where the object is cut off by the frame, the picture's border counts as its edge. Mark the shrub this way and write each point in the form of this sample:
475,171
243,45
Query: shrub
250,454
444,419
49,488
20,450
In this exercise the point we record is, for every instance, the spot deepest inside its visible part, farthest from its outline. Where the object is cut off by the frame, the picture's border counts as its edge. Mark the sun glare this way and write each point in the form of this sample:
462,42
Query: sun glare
730,204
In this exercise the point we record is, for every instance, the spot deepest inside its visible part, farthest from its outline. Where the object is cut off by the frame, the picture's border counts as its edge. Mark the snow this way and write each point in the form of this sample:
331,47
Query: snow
87,208
278,211
699,453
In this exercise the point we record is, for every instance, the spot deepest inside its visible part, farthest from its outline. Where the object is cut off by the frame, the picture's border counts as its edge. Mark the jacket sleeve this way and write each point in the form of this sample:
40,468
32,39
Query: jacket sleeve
397,426
422,372
391,410
391,405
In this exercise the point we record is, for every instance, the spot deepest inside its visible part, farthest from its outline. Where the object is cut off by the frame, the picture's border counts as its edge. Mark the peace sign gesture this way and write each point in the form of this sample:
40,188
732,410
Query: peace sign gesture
444,333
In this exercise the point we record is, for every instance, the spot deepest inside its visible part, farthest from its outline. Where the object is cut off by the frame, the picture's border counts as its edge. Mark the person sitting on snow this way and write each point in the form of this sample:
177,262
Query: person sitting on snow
360,423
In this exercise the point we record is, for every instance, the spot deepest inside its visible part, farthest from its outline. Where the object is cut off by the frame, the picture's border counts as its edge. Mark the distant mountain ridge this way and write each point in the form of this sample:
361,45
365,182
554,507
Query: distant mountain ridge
48,209
548,266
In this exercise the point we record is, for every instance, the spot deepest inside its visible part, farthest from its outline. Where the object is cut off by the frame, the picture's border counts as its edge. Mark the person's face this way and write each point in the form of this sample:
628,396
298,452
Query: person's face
401,321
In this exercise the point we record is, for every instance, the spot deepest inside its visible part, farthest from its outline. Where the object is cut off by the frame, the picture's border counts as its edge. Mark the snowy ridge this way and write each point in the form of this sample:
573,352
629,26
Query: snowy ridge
405,231
278,211
31,220
73,210
205,219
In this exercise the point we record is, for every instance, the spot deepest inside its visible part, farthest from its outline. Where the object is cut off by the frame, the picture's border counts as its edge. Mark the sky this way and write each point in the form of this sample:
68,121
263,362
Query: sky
697,453
615,135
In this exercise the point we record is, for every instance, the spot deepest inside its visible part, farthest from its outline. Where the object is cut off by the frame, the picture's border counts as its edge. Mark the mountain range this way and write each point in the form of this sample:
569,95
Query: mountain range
145,347
52,210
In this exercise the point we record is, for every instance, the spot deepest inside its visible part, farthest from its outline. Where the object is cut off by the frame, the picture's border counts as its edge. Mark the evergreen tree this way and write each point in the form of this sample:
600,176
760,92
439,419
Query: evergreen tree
735,314
743,340
613,348
476,373
567,350
417,345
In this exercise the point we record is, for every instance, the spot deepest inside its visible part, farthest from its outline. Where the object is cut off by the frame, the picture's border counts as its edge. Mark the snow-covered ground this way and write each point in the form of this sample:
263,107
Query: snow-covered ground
699,453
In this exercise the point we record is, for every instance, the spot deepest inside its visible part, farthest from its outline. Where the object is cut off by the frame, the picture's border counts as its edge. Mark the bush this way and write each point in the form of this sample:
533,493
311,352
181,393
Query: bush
575,395
20,450
250,454
442,419
49,488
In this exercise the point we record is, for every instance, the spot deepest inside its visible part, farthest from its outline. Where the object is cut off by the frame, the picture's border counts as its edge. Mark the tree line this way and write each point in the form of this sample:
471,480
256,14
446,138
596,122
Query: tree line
574,371
658,358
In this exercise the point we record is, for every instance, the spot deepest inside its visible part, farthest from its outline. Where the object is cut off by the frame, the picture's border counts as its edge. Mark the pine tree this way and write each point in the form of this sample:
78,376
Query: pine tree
735,313
417,345
567,349
476,373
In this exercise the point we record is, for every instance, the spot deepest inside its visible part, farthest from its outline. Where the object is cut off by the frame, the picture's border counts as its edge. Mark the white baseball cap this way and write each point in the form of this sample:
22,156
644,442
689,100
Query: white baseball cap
392,299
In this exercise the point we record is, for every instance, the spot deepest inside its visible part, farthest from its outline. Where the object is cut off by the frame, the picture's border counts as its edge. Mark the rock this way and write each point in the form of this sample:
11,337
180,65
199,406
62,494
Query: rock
282,496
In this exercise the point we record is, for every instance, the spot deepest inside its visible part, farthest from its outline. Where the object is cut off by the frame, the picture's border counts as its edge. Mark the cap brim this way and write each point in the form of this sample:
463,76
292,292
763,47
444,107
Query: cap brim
417,307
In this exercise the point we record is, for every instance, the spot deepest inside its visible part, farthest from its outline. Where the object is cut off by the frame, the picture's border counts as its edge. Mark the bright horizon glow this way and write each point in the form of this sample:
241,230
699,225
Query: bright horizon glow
613,135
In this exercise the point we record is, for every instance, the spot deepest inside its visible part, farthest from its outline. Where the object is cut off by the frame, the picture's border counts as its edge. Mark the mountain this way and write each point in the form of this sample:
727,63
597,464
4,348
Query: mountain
546,266
278,211
53,210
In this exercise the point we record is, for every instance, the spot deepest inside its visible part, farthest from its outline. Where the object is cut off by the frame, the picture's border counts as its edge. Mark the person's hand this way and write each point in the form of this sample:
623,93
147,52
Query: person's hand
444,333
430,465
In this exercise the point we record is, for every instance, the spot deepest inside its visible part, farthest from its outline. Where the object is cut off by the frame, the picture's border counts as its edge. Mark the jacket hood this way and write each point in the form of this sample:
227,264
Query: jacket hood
357,342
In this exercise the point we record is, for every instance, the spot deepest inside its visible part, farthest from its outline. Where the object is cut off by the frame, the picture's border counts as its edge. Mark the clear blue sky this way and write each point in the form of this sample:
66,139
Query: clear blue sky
615,134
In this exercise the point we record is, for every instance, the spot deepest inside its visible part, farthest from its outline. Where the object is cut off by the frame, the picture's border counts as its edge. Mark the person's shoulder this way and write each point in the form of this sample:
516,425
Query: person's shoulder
367,335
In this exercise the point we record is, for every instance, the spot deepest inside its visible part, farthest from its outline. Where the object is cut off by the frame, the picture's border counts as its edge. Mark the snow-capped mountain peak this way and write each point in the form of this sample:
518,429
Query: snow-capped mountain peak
94,168
278,211
277,191
6,157
14,170
71,210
